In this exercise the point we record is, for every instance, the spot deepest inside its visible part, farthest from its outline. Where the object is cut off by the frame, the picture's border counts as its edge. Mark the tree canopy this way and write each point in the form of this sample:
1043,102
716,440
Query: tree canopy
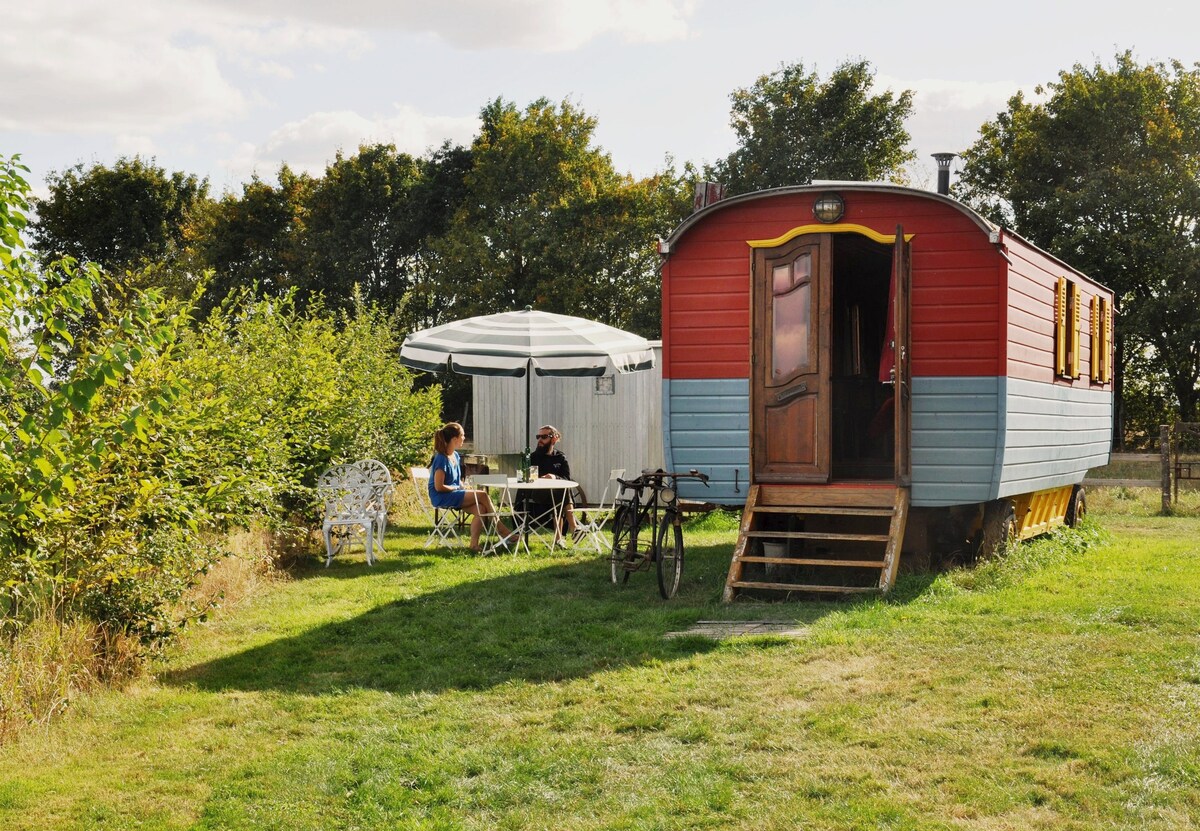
792,127
1104,171
119,217
547,221
251,239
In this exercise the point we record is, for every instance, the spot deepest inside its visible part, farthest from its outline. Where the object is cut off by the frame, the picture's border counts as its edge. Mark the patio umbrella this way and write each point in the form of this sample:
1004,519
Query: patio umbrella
520,343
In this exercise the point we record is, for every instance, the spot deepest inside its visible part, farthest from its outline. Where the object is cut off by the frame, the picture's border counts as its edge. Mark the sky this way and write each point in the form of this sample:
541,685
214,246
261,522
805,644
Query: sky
228,89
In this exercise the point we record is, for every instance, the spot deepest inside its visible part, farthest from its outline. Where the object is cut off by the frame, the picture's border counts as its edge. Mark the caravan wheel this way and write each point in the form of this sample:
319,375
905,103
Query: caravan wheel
999,528
1077,507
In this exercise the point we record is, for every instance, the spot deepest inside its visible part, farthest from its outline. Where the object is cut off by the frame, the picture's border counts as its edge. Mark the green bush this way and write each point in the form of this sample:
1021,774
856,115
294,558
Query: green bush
287,394
130,435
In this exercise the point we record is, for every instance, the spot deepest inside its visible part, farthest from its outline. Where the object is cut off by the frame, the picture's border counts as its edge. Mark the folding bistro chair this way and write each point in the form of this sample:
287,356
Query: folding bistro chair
443,521
491,541
593,518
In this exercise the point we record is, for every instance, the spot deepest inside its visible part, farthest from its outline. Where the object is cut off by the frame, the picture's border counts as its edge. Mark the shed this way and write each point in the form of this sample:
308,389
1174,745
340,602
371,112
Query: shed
614,421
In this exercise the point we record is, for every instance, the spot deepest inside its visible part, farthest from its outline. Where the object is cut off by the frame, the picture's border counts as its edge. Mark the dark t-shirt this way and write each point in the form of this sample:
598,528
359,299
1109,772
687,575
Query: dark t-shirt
547,462
550,462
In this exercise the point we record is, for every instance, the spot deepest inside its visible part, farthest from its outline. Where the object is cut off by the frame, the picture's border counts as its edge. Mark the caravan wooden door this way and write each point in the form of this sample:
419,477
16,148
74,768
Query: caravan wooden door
790,398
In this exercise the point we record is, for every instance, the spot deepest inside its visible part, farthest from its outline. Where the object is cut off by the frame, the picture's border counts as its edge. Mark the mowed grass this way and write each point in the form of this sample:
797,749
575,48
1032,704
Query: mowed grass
1056,688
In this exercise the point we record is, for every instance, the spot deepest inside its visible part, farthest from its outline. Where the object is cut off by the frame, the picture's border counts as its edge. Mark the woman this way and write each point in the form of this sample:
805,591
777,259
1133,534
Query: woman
446,489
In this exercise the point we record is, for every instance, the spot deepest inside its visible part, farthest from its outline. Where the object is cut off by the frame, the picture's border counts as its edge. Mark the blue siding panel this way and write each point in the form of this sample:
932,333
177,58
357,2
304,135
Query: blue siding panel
954,439
706,426
973,439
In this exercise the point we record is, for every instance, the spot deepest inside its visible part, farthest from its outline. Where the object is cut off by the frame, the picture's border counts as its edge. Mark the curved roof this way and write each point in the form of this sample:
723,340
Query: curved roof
823,186
997,235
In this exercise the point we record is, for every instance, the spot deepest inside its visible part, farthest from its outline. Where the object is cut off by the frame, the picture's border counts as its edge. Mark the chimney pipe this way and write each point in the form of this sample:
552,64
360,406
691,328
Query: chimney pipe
943,165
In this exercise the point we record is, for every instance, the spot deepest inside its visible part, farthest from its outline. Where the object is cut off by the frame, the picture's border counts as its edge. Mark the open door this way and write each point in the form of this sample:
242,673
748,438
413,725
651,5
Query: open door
790,386
901,320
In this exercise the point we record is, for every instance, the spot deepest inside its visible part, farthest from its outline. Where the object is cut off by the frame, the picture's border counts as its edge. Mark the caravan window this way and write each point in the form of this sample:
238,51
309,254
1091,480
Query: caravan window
791,285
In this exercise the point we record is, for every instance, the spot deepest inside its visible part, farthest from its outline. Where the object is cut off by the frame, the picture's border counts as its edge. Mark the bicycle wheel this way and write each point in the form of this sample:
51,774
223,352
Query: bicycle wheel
624,546
669,555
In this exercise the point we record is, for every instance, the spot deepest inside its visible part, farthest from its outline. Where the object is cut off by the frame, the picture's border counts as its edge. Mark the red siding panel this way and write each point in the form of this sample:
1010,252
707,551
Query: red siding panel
1030,303
957,277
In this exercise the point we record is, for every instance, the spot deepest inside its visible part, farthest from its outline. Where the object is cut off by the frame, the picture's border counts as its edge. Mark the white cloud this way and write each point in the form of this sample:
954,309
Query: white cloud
86,67
311,143
544,25
276,70
125,144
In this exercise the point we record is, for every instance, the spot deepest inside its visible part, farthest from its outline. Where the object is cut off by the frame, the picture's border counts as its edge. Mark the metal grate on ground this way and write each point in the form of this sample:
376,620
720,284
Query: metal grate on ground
720,629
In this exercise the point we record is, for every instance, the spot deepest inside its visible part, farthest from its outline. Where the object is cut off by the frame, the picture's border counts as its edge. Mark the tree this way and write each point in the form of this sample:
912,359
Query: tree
548,222
251,240
793,128
360,228
368,222
545,220
119,218
1105,173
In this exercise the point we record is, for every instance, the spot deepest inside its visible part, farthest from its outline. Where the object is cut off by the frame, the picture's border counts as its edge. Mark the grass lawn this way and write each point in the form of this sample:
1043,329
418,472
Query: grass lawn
1058,688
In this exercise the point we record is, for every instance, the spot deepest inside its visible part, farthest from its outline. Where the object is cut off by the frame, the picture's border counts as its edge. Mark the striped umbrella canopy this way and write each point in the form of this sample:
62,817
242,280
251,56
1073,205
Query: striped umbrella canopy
519,343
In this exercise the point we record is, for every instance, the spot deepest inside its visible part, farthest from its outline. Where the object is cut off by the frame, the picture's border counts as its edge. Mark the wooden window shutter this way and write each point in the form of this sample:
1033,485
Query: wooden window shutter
1097,357
1060,327
1108,339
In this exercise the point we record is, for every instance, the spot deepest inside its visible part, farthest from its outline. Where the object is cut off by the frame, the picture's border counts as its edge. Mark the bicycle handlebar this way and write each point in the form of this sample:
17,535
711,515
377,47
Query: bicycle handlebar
654,478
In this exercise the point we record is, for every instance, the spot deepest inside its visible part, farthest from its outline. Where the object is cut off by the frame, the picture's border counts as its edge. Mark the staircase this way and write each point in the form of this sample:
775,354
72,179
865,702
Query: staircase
840,539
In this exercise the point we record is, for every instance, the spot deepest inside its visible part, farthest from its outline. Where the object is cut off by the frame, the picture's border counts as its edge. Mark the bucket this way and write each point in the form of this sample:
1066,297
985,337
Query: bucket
774,549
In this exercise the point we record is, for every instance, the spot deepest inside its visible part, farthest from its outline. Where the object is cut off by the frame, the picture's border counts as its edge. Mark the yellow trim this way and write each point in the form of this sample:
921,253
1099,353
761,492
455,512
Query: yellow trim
1060,327
1073,291
1108,340
838,228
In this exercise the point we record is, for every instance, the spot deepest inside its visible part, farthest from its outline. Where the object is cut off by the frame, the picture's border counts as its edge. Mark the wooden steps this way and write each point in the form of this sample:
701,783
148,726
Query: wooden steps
840,539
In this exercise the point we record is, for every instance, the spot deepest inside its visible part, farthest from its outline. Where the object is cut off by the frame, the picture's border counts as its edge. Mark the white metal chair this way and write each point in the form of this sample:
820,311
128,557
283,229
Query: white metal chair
355,506
443,522
377,477
593,518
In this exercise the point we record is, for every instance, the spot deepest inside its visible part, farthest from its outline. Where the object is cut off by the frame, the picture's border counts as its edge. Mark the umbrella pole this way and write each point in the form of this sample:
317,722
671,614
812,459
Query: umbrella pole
528,372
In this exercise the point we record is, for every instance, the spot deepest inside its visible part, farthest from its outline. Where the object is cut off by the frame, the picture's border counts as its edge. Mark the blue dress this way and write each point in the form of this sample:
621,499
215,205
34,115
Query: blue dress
453,478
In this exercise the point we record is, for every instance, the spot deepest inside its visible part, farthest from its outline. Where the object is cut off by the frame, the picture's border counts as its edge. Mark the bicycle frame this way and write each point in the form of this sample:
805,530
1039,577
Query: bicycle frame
652,506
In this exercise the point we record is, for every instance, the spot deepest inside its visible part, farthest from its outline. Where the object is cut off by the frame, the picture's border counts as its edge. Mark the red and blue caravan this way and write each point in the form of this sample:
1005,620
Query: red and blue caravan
873,372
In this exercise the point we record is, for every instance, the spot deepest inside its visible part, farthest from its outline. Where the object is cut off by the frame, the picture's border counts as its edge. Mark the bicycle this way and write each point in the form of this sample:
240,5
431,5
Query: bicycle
654,503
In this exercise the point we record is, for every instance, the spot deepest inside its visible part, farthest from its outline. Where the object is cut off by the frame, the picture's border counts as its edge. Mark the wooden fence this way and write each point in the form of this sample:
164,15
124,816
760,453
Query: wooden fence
1178,460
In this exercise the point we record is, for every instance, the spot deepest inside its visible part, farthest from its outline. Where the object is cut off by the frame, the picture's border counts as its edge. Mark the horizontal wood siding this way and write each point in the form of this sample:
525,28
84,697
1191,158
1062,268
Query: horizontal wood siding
956,427
1030,297
1053,435
600,432
978,317
957,279
707,427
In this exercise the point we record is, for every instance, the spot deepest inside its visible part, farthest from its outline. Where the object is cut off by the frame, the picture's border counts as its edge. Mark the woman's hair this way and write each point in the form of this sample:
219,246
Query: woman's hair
441,439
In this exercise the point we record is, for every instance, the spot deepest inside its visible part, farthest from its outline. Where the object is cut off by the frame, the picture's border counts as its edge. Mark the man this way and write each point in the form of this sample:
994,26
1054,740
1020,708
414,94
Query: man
551,464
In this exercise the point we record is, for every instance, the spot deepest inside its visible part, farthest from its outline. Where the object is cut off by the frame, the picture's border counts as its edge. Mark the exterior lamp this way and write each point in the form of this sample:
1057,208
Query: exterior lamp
829,207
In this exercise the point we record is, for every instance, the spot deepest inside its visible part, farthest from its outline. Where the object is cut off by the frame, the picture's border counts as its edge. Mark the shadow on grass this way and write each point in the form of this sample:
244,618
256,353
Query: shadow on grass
554,621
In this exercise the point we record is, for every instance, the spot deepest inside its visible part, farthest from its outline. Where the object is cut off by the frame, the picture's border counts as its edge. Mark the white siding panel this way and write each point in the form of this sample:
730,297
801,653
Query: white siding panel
1054,435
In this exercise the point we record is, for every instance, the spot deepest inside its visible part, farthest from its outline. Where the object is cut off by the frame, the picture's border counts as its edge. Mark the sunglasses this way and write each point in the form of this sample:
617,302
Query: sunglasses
543,436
